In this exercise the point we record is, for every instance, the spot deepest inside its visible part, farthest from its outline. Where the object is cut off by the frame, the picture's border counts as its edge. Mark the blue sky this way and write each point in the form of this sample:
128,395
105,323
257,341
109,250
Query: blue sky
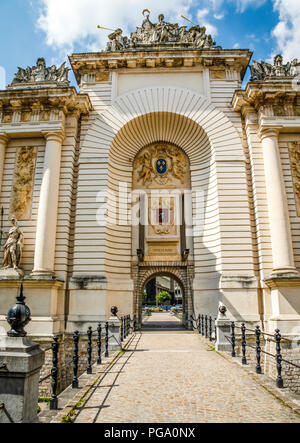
55,28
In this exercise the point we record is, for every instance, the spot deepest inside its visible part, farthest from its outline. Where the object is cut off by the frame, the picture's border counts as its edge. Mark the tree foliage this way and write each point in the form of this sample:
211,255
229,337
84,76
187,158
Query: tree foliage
164,296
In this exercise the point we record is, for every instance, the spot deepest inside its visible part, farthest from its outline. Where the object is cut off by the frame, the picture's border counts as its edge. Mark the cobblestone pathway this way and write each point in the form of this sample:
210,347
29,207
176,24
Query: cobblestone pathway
174,377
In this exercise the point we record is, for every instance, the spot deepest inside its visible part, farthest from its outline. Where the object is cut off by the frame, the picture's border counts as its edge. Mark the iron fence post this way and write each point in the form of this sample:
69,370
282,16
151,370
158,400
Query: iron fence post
210,329
216,329
134,323
206,326
199,324
258,350
233,354
121,330
75,360
279,380
244,344
106,339
54,375
99,343
89,350
202,328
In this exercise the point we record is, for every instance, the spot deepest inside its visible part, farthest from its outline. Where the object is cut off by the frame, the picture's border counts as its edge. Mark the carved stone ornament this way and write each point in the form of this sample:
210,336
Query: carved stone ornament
167,208
160,34
41,74
23,183
261,71
161,164
295,165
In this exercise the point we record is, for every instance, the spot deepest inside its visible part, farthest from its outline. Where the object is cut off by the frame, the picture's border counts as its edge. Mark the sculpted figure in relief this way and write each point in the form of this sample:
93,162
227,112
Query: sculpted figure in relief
13,247
146,172
23,181
295,162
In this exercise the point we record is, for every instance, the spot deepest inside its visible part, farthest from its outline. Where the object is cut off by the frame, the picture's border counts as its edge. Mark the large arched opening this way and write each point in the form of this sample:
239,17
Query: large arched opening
189,121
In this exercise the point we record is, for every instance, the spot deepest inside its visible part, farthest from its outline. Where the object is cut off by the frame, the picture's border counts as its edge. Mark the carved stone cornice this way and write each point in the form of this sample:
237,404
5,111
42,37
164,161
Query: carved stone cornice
100,64
277,104
38,106
258,94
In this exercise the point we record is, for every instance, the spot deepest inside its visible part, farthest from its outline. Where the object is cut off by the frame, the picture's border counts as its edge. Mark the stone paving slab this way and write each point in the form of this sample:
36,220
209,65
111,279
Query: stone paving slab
170,377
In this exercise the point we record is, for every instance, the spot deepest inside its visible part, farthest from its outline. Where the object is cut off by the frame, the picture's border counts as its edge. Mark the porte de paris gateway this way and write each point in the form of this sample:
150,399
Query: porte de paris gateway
158,172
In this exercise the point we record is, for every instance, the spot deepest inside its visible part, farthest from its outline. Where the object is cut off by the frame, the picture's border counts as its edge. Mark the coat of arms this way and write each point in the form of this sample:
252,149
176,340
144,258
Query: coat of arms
161,164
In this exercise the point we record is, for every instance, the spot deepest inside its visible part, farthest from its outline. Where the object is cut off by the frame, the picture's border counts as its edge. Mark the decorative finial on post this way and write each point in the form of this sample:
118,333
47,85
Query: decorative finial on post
114,310
222,309
18,316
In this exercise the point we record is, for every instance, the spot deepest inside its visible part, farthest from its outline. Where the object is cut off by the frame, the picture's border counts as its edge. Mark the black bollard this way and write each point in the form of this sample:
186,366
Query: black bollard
199,324
99,343
244,344
210,329
54,375
258,350
106,339
279,380
202,327
121,331
89,351
233,354
75,360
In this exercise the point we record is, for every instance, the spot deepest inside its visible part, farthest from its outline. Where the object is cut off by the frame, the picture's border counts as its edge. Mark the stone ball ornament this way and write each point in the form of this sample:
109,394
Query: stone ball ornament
114,310
18,316
222,309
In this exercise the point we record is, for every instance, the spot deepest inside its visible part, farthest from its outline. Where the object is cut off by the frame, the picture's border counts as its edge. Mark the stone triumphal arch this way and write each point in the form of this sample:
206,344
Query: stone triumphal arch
156,112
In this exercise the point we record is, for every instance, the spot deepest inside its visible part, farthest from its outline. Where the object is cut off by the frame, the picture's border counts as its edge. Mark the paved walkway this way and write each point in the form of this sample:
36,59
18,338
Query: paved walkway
162,320
174,377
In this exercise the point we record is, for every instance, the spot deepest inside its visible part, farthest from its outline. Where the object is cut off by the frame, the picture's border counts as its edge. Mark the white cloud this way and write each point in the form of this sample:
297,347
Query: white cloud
202,13
241,5
202,20
219,16
287,31
68,23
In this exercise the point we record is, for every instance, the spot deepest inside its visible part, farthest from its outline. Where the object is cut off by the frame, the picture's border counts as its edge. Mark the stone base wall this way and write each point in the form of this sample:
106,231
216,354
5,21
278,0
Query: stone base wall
65,362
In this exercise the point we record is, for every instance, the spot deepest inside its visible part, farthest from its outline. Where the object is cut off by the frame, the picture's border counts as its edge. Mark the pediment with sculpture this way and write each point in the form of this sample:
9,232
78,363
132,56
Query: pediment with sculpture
161,34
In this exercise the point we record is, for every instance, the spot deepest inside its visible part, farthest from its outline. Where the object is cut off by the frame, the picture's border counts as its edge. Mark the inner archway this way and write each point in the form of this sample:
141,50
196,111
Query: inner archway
163,302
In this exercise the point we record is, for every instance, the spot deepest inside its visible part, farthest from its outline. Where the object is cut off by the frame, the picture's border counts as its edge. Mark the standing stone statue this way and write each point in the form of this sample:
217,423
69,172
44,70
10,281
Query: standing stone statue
13,247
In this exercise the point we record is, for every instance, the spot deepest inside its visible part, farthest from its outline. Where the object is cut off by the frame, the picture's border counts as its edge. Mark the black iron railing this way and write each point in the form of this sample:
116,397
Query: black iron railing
276,338
127,326
205,325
